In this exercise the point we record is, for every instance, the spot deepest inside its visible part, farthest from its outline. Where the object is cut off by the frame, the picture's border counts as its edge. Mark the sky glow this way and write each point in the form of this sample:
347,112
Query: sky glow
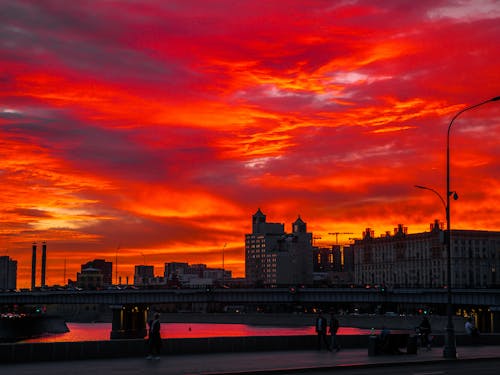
151,131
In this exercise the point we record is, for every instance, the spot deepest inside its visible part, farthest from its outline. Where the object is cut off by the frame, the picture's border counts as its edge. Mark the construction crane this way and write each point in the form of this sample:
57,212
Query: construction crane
337,235
316,238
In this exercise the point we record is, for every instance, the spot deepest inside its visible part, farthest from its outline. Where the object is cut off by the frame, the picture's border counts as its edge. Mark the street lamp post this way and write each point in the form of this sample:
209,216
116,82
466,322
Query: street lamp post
450,350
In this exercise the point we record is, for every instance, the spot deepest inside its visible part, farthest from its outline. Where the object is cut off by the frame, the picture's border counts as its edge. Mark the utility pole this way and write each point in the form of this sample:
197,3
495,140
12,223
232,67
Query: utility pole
116,263
223,271
316,238
64,274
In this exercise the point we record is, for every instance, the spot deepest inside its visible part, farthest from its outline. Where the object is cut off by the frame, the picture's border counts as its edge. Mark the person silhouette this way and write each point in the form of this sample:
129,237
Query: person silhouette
321,331
154,338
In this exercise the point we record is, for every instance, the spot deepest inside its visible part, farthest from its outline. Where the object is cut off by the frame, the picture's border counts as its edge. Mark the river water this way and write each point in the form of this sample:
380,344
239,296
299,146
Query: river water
101,331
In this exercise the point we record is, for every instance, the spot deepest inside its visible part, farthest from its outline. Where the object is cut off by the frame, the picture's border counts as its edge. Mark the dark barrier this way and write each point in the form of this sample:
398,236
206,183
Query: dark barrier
60,351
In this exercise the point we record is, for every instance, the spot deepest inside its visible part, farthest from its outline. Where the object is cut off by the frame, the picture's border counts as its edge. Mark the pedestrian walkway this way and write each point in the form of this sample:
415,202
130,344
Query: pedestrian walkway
241,363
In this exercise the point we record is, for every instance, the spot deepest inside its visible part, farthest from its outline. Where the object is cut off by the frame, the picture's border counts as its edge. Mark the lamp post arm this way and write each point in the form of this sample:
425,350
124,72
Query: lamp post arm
435,192
496,98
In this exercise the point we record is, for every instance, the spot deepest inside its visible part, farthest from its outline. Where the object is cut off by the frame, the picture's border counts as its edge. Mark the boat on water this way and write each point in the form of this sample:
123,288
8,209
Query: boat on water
21,326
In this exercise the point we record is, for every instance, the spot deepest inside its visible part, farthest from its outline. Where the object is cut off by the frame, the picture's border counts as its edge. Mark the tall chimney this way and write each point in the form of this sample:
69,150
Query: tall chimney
33,267
44,262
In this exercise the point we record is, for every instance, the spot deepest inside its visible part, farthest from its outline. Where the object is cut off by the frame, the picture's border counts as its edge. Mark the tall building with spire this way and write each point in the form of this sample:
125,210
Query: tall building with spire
276,258
295,256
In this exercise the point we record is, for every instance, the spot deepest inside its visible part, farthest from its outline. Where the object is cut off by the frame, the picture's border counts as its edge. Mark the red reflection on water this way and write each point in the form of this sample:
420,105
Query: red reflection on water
101,331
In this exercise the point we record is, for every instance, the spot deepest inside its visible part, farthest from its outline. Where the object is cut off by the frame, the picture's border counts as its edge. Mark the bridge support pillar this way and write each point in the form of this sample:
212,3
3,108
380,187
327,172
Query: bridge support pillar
129,322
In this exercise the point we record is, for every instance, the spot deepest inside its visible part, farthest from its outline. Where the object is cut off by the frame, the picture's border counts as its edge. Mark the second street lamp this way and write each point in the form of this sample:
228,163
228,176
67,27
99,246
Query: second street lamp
450,350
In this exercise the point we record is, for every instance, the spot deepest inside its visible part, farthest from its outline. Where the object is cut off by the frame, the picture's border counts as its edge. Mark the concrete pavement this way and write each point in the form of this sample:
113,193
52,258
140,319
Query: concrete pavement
242,363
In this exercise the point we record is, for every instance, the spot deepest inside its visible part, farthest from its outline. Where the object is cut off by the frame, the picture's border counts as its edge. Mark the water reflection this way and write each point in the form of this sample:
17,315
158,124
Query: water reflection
101,331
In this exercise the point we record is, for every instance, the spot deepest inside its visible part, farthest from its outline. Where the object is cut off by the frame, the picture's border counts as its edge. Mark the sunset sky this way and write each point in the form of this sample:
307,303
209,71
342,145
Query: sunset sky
151,131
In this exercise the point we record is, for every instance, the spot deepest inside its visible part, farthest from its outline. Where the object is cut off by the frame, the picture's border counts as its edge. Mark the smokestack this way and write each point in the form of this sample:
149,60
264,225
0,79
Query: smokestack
33,267
44,262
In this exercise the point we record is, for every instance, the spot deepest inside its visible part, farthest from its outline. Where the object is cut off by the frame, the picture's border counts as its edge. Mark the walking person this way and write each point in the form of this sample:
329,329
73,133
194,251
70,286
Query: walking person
425,331
321,331
334,327
154,338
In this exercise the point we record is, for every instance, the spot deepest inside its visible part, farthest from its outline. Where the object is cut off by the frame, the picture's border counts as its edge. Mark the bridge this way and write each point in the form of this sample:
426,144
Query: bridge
476,297
130,307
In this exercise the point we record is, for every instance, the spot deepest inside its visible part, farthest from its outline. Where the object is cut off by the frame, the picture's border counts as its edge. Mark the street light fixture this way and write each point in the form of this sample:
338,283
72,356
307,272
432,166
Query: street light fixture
450,350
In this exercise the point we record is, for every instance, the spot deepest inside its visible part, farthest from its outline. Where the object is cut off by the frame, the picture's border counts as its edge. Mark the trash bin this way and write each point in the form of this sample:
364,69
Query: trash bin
411,345
372,345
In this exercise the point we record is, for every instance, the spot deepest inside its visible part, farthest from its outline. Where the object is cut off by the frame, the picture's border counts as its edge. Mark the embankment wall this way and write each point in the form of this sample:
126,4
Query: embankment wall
62,351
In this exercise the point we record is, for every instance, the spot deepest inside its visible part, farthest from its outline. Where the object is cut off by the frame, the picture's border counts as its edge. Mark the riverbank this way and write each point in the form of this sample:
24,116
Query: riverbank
19,327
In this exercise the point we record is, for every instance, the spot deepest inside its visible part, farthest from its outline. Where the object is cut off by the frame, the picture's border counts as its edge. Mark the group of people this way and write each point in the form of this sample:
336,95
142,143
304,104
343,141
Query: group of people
322,327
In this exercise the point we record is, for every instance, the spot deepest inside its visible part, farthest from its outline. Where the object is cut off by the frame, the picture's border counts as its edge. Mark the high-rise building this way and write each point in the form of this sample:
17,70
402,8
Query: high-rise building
295,256
106,269
8,273
275,258
420,260
260,250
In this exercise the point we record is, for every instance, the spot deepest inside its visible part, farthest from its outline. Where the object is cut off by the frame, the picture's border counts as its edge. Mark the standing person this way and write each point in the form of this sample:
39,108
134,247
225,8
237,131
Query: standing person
334,327
425,330
470,329
321,331
154,338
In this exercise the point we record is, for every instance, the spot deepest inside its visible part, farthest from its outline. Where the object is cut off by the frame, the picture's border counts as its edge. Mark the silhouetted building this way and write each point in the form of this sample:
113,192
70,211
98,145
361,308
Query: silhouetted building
90,279
420,259
331,266
8,273
348,259
337,258
143,274
260,250
106,269
195,275
322,259
275,258
174,269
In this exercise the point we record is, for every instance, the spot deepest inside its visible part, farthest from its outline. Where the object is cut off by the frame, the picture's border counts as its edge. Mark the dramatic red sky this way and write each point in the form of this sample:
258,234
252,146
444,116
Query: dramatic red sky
151,131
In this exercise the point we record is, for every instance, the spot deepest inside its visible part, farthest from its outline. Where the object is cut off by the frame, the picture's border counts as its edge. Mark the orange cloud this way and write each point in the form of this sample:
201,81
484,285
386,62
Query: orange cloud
151,133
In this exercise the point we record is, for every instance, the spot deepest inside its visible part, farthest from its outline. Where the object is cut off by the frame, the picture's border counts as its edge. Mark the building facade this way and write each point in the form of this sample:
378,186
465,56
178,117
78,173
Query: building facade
276,258
90,279
195,275
143,275
420,260
106,269
8,273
